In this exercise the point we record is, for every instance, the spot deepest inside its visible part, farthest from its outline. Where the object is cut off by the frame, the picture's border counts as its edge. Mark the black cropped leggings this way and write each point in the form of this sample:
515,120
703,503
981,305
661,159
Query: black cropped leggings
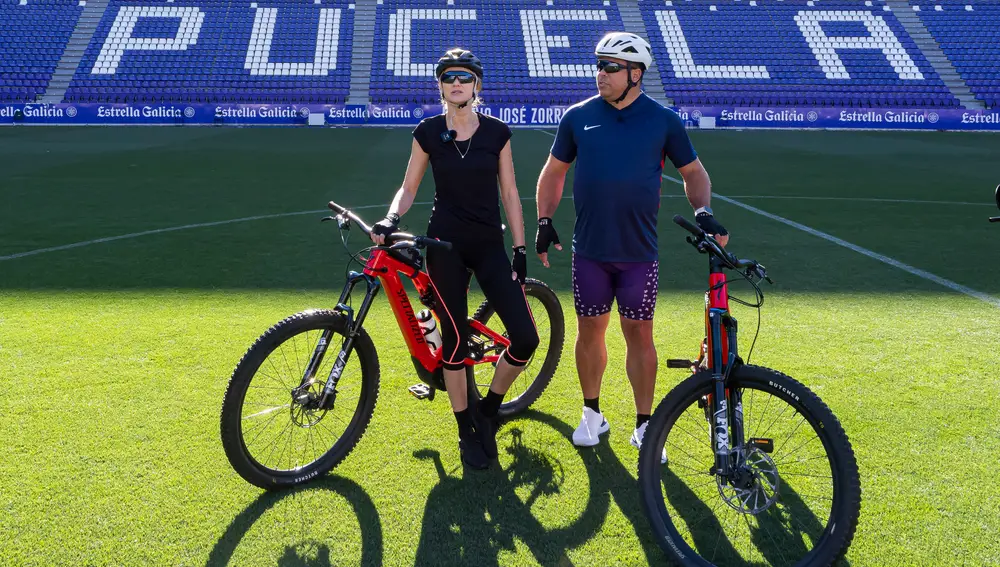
451,271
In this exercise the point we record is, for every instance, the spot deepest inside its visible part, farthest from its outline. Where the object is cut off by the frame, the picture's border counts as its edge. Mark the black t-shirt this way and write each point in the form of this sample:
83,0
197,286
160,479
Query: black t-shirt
466,197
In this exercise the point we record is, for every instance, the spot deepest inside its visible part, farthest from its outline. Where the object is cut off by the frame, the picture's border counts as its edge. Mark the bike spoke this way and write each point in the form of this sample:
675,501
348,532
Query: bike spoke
753,524
267,411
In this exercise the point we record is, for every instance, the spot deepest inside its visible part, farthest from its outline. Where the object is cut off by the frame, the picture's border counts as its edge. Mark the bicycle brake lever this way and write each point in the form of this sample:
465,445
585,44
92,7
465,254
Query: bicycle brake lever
324,219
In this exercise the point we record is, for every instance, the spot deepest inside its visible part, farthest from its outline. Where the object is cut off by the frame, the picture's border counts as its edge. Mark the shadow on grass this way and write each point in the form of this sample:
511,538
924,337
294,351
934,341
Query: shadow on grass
308,552
475,519
778,535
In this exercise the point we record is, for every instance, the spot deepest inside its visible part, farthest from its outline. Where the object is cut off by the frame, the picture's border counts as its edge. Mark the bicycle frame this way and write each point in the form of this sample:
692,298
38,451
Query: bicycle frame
722,354
383,270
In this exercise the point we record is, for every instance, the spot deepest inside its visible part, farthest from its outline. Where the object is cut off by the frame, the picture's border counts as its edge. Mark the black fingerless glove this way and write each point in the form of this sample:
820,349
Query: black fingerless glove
519,264
545,236
386,226
707,222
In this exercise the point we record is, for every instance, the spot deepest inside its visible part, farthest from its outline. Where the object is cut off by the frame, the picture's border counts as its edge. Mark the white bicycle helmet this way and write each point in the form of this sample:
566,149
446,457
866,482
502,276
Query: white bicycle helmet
626,46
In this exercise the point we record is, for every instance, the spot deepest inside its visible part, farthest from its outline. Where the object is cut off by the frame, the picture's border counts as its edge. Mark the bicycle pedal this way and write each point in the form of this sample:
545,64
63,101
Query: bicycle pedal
680,363
766,445
422,391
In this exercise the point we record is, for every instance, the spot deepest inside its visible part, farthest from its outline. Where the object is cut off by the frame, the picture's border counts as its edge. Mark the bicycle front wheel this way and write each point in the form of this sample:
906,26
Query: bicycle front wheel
550,323
798,500
274,430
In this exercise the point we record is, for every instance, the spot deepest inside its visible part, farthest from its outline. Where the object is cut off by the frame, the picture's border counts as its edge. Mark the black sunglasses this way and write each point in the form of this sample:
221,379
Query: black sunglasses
609,66
461,76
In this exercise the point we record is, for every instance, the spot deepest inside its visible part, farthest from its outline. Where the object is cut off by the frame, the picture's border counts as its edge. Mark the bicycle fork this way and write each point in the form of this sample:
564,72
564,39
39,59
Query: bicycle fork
329,394
727,405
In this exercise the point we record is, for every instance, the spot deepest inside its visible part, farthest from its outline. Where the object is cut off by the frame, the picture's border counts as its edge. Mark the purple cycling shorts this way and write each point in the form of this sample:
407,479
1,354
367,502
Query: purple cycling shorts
632,284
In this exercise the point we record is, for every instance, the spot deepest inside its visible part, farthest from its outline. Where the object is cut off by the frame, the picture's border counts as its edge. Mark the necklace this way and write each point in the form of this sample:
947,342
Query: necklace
461,154
467,148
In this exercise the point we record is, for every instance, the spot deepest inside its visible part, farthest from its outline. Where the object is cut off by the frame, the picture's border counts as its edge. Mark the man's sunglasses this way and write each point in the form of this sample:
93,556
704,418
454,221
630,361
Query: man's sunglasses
609,66
463,77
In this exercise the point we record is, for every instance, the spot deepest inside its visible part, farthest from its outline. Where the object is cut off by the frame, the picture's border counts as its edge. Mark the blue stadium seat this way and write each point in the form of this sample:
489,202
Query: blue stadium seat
757,47
31,43
215,56
969,40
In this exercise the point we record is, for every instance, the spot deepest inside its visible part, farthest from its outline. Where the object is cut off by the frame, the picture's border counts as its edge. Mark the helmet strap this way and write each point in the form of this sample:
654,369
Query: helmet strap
472,98
628,70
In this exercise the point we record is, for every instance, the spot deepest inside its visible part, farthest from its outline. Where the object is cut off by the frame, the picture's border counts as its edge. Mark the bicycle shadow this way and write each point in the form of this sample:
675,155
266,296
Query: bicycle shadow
473,520
778,534
307,552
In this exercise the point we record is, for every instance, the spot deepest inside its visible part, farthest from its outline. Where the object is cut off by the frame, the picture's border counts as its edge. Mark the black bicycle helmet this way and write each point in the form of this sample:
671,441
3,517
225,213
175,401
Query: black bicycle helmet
459,57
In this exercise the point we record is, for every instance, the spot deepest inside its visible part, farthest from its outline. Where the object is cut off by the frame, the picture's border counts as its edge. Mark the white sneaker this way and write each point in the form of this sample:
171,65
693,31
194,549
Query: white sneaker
636,441
592,425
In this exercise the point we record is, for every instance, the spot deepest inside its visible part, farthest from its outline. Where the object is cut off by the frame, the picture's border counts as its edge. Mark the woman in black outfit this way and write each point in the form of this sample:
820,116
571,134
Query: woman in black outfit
468,153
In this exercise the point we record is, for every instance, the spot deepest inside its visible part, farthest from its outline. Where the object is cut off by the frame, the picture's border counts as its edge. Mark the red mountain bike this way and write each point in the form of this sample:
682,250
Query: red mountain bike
291,412
759,471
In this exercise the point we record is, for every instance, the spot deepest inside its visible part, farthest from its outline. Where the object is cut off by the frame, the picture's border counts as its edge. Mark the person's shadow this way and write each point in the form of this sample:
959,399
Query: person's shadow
472,520
308,552
777,535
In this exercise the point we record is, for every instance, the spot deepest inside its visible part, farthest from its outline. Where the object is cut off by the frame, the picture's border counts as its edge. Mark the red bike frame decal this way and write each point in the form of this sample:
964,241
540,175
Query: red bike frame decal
716,298
388,270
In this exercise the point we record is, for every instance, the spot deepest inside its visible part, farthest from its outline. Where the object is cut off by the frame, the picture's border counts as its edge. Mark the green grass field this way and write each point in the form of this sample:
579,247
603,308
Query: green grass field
114,355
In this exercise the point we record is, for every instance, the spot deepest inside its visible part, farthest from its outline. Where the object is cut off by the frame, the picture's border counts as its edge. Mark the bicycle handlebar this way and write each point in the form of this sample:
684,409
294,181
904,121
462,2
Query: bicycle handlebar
394,240
705,242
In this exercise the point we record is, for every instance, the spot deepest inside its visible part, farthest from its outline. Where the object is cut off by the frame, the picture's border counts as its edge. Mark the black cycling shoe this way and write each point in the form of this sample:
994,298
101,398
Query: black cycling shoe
487,427
471,450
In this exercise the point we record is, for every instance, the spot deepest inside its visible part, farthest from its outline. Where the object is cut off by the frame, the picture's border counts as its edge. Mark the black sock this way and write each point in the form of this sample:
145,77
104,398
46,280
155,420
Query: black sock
593,403
641,418
490,405
464,419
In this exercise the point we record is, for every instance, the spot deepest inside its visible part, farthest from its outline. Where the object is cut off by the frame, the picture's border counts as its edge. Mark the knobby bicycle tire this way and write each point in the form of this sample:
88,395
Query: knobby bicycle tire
839,530
231,420
557,336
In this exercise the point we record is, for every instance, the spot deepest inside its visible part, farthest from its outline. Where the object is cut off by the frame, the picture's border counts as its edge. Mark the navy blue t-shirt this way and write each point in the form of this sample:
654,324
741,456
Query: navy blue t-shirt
619,160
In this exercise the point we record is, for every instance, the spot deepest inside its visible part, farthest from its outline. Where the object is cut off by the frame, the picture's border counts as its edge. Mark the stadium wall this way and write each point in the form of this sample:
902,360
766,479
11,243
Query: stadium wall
536,116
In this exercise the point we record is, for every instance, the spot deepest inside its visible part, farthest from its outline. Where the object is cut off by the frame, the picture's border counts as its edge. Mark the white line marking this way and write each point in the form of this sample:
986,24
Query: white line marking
169,229
864,251
860,199
874,255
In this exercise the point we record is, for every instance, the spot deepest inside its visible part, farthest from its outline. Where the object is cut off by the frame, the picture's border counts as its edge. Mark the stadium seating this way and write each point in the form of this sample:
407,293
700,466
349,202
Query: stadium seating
218,51
34,34
852,53
750,53
967,33
513,38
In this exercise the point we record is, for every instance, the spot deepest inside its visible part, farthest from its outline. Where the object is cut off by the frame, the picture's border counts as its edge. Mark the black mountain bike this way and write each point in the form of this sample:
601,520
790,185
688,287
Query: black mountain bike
759,471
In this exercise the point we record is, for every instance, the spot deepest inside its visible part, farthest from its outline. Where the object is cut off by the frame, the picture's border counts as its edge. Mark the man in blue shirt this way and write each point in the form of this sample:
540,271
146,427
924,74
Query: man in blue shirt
620,140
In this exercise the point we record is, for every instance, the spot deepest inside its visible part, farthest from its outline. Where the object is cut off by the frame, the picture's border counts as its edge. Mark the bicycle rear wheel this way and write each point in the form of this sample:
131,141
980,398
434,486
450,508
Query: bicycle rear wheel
273,431
803,498
551,325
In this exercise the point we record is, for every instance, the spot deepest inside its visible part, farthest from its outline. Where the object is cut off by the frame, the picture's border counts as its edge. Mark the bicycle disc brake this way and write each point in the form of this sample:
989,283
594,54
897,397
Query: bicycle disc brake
752,487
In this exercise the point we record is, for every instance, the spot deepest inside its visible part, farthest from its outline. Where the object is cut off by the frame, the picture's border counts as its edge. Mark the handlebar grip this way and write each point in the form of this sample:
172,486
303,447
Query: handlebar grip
429,242
686,225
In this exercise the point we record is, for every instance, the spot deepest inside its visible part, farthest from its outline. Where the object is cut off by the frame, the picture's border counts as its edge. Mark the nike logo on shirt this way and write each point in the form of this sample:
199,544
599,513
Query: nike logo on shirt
591,127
